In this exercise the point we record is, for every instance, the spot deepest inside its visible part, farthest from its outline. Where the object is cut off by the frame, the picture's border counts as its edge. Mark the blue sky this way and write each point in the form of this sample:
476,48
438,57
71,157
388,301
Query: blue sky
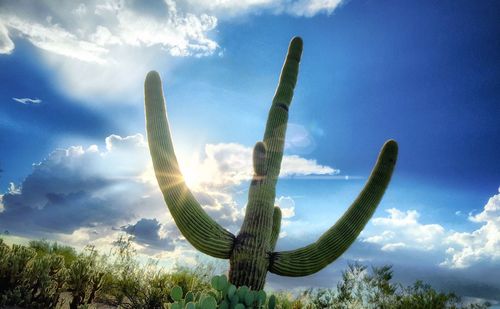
75,167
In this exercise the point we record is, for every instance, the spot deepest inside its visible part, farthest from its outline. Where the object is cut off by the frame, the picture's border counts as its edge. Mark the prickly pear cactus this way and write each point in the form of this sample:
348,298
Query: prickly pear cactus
223,295
251,252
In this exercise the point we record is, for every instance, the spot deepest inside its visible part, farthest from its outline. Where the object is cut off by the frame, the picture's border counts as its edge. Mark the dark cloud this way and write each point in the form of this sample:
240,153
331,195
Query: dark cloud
147,232
76,188
61,213
92,190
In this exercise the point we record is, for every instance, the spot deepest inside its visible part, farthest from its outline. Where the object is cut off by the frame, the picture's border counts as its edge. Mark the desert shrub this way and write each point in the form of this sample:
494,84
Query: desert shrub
43,281
364,288
85,277
43,247
132,285
316,298
124,283
13,262
30,280
381,290
195,279
421,295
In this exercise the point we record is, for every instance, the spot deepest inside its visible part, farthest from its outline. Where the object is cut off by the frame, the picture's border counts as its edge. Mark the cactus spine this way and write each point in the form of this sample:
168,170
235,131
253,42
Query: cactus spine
251,252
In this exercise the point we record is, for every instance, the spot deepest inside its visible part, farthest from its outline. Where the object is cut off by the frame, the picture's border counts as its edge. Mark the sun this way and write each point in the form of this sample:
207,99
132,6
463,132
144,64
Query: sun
192,170
191,176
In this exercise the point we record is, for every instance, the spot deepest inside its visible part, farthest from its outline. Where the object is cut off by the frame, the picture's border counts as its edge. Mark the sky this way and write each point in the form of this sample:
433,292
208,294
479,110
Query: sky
74,160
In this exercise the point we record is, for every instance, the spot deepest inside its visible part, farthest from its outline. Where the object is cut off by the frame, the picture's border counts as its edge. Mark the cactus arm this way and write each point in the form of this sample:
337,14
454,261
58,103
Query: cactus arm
338,238
275,232
198,228
274,136
260,160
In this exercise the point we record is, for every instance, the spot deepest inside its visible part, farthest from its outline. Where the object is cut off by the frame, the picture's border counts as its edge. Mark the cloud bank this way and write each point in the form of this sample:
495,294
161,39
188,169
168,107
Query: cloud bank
403,231
483,244
92,193
88,31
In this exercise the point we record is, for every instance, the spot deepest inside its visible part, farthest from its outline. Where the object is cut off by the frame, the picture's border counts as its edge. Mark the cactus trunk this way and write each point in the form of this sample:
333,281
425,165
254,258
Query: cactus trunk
251,253
249,261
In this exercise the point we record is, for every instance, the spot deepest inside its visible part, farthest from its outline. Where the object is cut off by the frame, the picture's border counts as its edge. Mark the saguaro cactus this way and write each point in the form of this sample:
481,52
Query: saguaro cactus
251,252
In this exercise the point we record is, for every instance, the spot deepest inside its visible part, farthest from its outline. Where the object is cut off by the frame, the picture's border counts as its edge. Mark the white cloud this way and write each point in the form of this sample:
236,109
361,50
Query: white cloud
229,164
309,8
89,43
231,9
482,244
55,39
295,165
6,44
287,206
381,238
13,189
393,246
27,100
403,230
95,26
227,9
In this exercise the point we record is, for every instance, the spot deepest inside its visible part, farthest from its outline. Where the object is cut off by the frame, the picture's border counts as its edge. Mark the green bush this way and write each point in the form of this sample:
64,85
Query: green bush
30,280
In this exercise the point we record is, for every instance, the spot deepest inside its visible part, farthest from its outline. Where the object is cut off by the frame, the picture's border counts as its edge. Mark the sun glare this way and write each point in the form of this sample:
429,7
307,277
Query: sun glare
191,176
192,171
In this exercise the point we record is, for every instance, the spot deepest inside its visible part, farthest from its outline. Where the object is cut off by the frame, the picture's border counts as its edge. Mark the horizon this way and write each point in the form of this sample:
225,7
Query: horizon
75,165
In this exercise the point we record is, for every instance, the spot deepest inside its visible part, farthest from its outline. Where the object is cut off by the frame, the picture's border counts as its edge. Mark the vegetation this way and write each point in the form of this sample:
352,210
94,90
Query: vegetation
250,253
47,275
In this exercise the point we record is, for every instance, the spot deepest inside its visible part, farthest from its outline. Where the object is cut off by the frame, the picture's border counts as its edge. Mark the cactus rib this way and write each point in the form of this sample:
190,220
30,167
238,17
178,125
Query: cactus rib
199,229
314,257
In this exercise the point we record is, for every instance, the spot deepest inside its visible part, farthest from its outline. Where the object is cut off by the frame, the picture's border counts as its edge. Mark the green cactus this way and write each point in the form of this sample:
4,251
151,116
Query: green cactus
222,295
251,253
